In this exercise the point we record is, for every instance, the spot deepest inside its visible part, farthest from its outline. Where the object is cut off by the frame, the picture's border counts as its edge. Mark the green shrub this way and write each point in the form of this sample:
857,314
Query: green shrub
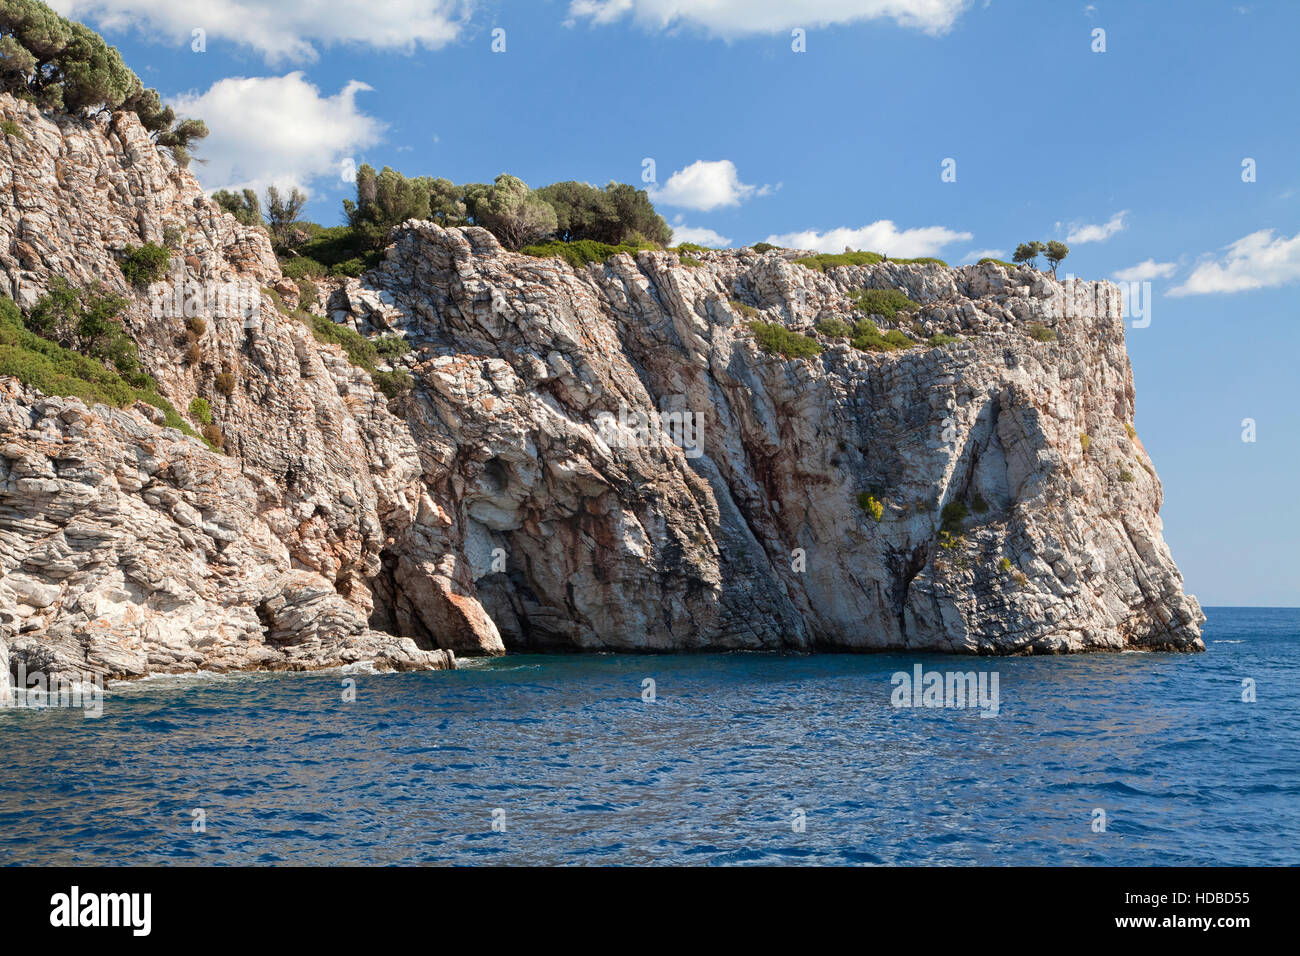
391,346
939,340
689,247
886,303
1006,265
56,370
1132,432
10,128
748,311
302,267
340,249
867,338
762,247
349,268
87,320
394,383
360,350
142,265
954,513
308,293
1005,564
922,261
690,261
582,251
1126,476
949,541
1041,333
871,505
201,411
776,339
826,260
174,237
1084,440
835,328
978,504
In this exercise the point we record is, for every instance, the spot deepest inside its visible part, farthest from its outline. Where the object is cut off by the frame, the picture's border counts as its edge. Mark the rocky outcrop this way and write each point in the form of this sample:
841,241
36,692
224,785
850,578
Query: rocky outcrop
755,537
594,458
130,549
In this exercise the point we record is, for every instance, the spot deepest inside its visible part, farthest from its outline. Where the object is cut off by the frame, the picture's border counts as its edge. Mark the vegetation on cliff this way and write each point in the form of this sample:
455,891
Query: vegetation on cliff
57,64
44,364
577,221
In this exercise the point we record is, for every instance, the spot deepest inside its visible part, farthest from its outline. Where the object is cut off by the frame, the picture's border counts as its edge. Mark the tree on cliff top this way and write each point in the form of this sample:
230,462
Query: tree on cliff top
517,215
1056,253
1028,252
616,214
61,65
282,212
243,205
384,200
511,211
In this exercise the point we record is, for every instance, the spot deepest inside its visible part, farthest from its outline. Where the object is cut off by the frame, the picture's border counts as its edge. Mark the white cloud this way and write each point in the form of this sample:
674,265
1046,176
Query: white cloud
284,31
276,129
1260,260
700,236
1094,233
979,254
881,236
729,18
704,185
1143,271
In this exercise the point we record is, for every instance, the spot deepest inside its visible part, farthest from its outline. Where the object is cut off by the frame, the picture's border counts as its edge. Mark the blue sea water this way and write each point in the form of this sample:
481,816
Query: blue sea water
714,770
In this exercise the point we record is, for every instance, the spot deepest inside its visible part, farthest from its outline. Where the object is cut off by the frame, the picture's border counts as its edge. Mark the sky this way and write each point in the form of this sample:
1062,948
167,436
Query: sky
1161,149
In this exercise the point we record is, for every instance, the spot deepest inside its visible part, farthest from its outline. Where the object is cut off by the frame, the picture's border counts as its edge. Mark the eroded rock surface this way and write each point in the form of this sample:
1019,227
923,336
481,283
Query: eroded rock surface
509,500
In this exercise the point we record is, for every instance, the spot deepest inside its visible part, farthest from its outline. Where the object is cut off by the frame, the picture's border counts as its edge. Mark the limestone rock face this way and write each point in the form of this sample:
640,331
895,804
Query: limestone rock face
752,535
594,458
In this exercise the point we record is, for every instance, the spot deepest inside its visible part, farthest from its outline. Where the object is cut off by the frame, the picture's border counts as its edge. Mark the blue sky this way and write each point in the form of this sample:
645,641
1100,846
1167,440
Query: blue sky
1133,155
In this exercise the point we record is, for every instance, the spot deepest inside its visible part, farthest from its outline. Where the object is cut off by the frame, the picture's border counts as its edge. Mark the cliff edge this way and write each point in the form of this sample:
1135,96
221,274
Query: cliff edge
606,457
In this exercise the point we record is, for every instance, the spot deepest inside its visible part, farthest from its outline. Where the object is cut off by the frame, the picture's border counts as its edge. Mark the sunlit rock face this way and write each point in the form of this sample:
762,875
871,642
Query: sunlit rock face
600,458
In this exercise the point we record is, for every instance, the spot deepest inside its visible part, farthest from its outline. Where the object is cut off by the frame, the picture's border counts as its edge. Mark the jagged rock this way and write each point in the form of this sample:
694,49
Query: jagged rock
507,503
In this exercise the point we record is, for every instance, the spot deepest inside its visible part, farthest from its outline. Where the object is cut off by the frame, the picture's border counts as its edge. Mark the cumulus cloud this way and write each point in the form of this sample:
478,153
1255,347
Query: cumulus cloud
880,236
1261,260
700,236
705,185
276,130
1149,269
729,18
283,31
1080,232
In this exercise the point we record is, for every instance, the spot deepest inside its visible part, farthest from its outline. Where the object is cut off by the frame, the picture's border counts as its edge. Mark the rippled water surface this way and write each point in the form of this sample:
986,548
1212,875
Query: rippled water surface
713,771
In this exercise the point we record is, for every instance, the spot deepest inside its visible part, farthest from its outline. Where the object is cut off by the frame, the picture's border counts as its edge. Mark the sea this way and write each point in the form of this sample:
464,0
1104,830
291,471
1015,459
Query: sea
1148,759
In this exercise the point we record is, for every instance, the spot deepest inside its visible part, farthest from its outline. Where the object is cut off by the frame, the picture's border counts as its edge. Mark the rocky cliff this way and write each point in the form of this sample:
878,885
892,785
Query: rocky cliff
590,458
